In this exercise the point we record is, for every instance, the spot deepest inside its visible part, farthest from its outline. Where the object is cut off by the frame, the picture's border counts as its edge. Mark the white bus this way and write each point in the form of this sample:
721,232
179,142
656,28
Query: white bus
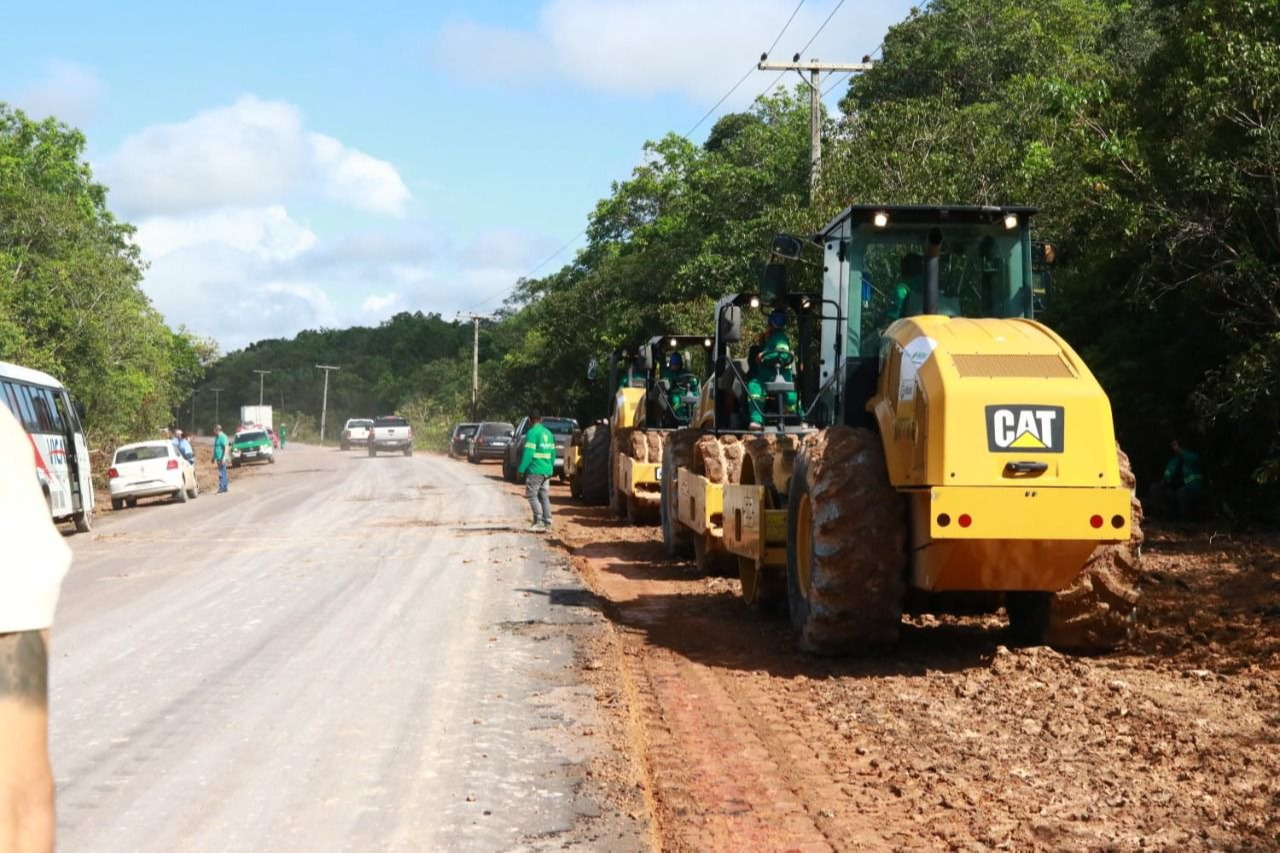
52,419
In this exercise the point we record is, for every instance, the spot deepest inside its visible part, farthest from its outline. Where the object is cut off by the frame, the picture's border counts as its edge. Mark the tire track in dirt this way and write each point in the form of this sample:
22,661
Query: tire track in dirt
953,741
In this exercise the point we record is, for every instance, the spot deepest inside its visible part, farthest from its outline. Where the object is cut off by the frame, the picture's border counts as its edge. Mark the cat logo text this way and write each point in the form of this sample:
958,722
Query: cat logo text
1025,429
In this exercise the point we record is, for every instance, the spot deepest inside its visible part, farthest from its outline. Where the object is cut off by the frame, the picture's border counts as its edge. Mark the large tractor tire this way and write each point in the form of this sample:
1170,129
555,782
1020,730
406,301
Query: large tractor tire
767,461
618,439
720,461
1096,612
594,473
846,545
676,455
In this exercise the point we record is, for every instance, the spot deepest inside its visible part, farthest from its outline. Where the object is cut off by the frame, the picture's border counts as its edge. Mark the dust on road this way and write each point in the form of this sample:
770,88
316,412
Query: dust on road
341,653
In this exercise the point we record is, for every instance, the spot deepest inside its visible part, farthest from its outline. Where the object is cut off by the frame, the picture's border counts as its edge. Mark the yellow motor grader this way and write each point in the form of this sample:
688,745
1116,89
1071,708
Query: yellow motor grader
944,441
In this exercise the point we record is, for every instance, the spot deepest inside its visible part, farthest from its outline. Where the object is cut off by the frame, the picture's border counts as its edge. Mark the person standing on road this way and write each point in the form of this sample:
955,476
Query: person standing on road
538,463
282,436
220,446
36,559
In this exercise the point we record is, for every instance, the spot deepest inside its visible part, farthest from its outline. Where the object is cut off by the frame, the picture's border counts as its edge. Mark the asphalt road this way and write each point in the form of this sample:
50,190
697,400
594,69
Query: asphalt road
341,653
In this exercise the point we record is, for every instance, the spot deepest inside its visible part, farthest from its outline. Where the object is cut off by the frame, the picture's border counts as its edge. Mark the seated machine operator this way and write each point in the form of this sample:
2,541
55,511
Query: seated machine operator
678,383
772,365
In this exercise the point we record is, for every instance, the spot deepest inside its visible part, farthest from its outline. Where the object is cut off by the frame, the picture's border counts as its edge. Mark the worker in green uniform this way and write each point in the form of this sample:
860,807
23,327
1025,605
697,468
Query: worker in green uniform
537,464
910,281
774,366
1181,491
678,384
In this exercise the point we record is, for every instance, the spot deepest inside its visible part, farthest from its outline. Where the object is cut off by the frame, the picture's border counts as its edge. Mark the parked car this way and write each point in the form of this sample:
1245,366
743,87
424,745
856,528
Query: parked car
392,433
562,430
356,432
148,469
490,442
252,445
460,441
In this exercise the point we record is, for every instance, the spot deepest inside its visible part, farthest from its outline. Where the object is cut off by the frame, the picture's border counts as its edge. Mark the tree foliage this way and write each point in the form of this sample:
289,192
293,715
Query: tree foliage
71,301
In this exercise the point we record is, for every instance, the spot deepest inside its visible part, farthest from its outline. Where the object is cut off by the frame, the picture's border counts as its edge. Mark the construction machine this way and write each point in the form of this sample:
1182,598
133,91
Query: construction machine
588,465
642,422
615,461
944,442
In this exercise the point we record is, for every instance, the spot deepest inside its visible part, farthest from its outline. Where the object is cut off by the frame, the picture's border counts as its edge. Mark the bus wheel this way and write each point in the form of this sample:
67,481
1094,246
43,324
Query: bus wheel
84,521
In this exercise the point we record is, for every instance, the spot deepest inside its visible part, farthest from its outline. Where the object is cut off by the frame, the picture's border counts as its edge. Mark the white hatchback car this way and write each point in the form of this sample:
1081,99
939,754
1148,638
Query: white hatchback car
149,469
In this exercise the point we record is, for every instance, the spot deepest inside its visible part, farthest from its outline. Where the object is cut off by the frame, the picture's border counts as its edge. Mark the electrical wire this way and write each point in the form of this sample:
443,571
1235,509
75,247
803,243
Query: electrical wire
687,133
784,28
814,37
530,273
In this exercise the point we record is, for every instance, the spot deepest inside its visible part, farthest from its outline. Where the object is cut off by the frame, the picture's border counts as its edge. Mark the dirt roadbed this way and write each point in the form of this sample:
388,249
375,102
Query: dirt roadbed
958,740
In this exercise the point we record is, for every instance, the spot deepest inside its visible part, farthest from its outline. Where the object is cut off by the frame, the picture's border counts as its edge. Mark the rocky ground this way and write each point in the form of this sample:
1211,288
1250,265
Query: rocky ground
958,740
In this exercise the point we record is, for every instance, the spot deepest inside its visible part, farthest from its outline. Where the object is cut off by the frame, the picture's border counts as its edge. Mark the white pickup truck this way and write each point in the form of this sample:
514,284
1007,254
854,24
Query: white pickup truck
391,433
355,433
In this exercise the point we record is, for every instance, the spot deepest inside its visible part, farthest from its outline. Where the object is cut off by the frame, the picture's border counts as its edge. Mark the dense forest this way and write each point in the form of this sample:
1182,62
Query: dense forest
1146,132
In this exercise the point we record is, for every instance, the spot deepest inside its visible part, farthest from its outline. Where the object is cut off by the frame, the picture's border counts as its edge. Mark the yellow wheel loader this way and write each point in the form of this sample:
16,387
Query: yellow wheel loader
949,443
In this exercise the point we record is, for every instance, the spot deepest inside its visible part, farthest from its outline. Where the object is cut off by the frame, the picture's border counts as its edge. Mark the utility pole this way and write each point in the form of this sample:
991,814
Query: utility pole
815,69
475,361
262,375
217,414
324,403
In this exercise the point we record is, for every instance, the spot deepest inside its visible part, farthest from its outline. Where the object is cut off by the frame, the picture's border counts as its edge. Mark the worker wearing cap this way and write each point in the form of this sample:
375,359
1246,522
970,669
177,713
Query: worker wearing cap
774,365
678,383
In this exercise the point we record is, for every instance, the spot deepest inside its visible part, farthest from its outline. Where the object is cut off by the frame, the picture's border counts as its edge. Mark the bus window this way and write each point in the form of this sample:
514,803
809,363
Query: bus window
62,406
23,393
10,399
44,413
47,409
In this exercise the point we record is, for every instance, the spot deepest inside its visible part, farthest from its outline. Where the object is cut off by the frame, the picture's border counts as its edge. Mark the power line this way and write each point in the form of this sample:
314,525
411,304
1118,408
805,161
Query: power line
749,72
723,98
551,257
821,28
687,133
784,28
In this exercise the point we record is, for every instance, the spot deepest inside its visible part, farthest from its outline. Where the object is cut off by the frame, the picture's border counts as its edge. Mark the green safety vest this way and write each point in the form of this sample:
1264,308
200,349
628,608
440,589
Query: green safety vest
539,456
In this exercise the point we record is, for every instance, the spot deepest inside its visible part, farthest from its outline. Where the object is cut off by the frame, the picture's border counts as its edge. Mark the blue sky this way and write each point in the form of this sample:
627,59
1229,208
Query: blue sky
296,165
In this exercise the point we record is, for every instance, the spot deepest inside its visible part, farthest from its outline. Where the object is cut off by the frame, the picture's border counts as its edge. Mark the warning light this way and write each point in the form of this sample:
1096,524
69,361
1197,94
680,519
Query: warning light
1096,522
944,520
964,520
1117,521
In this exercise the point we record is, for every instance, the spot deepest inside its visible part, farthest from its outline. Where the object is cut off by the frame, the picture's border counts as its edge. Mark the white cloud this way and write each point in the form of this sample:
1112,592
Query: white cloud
648,47
355,178
253,152
375,304
266,233
68,91
247,273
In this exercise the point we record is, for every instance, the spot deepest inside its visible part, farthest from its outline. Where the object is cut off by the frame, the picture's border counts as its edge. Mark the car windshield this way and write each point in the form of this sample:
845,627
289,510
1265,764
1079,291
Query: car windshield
559,426
359,424
249,437
391,422
496,429
141,454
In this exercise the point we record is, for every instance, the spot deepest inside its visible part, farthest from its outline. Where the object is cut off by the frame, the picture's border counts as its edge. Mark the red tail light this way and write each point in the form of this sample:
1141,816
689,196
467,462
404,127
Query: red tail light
479,442
173,465
112,473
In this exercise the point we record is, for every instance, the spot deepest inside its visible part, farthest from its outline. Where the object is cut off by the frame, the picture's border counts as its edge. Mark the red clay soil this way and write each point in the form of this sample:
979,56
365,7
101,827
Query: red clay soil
957,740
